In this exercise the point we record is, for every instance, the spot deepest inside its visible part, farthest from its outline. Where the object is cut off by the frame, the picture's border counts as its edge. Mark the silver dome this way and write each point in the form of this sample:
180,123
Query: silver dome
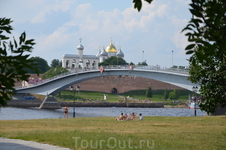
120,53
103,53
80,47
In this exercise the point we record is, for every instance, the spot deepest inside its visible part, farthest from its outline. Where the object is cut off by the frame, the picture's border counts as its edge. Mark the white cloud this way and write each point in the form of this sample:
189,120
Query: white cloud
58,6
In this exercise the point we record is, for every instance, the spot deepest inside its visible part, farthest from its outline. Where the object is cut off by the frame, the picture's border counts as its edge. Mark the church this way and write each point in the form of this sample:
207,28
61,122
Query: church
81,61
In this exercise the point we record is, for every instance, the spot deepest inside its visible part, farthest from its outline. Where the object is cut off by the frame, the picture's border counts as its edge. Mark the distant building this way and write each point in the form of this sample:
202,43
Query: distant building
32,80
89,61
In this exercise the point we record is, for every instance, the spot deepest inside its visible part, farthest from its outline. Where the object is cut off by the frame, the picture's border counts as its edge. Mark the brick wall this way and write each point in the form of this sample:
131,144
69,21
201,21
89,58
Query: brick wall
123,84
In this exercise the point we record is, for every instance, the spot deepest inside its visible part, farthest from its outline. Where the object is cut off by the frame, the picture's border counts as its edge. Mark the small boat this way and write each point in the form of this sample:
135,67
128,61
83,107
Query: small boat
193,105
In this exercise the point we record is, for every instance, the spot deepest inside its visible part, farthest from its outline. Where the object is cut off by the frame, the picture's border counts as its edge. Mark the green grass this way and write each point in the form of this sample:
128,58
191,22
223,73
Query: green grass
171,133
69,96
137,94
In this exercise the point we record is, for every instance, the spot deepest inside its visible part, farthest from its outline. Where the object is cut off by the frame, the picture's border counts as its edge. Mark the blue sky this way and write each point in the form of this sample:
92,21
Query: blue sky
57,25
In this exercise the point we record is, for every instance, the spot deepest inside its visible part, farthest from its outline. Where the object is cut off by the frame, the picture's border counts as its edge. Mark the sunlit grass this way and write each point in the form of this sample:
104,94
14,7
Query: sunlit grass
166,132
95,96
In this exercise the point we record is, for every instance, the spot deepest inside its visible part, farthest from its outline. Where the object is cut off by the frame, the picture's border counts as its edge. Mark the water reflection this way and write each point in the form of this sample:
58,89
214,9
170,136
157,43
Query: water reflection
10,113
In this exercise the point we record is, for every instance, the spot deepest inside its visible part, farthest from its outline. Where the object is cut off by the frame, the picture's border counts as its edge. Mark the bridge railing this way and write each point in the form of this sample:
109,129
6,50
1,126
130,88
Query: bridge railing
122,67
138,67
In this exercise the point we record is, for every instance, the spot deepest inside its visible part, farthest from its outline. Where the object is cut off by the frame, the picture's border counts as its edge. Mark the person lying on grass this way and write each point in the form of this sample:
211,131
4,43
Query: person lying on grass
120,117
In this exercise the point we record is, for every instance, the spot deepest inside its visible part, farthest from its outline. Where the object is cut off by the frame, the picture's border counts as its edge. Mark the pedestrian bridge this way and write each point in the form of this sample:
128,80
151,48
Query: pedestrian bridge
56,84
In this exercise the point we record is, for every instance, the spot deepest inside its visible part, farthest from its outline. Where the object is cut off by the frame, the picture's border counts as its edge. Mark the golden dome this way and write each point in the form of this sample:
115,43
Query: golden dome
111,48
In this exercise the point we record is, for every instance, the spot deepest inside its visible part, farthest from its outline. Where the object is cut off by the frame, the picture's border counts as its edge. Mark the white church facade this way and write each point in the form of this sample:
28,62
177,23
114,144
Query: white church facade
79,60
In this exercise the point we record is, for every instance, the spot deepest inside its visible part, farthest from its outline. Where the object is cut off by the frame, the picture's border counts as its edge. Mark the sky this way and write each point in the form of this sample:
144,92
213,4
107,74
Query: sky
57,25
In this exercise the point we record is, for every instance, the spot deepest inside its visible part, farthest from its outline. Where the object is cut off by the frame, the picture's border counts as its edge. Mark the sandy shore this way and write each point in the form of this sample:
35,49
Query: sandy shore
178,106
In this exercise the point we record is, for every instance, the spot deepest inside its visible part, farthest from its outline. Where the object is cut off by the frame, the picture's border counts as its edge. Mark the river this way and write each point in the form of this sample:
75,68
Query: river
12,113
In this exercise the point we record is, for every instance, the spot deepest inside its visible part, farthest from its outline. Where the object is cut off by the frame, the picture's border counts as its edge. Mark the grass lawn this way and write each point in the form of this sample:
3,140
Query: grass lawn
137,94
171,133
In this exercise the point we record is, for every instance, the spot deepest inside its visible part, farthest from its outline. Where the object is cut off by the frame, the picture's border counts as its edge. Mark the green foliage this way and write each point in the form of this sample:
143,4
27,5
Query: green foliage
142,63
207,34
149,92
55,62
181,67
131,63
174,95
40,63
171,95
54,72
175,66
113,61
166,94
13,65
138,4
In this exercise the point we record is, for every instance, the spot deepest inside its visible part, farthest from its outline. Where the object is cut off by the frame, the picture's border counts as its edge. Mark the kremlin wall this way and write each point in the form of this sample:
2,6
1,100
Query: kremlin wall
121,84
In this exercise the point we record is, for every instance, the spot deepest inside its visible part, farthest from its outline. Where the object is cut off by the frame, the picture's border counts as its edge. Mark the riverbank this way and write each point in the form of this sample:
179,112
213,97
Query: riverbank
175,106
37,103
103,132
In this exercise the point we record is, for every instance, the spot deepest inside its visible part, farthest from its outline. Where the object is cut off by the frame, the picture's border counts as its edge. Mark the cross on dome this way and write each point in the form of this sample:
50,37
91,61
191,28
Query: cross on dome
80,40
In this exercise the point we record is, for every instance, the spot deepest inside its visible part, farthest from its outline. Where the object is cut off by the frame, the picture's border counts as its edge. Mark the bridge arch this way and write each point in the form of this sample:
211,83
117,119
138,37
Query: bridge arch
58,84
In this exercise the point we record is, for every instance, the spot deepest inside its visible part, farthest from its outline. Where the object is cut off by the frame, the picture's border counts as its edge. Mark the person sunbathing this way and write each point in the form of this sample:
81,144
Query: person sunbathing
132,116
120,117
125,117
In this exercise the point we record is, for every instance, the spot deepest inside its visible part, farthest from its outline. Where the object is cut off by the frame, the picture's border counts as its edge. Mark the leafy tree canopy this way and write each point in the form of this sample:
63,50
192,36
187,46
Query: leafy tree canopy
13,61
55,62
207,34
166,94
113,61
174,95
131,63
142,63
149,92
171,95
54,71
41,64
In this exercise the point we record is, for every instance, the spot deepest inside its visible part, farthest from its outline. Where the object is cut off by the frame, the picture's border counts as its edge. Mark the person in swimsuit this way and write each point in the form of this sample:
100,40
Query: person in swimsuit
132,116
119,118
65,111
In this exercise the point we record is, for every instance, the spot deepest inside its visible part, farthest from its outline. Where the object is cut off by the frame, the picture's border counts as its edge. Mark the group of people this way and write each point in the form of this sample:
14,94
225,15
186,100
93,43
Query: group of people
132,116
120,118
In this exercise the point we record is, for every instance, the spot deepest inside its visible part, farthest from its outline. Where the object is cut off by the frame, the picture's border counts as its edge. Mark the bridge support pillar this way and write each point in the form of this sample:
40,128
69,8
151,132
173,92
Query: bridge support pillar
50,102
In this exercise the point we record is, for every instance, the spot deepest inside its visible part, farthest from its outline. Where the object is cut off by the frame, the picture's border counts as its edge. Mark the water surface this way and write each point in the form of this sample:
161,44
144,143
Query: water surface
11,113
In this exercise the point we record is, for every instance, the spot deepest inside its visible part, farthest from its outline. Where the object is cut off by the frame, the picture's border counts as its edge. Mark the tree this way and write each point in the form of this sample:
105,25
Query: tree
14,65
143,63
206,32
171,95
149,92
55,62
41,63
113,61
176,94
54,72
131,63
166,94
